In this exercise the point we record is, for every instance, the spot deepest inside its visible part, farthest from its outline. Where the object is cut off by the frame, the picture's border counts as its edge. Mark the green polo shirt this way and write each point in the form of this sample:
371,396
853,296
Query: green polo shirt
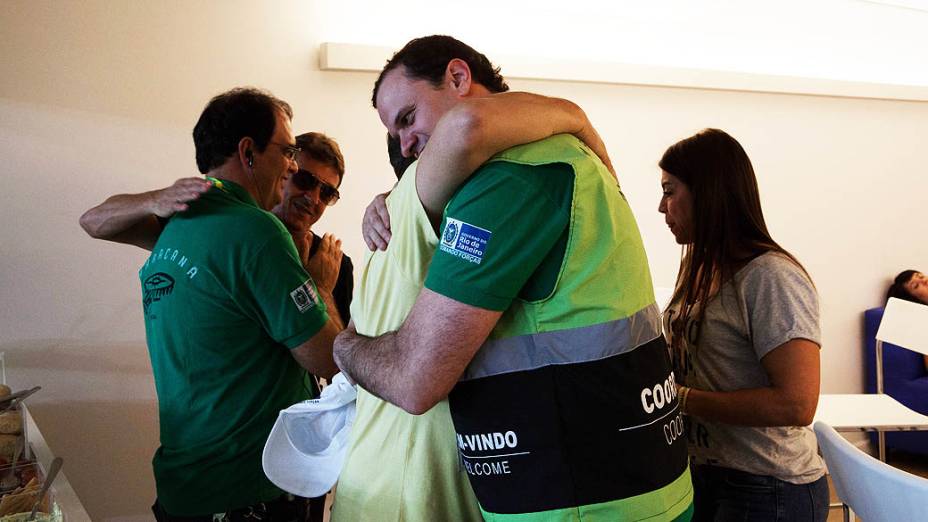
225,297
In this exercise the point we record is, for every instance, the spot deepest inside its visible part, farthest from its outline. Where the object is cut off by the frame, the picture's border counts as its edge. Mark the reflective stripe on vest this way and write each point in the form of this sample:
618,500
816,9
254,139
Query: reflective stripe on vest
575,345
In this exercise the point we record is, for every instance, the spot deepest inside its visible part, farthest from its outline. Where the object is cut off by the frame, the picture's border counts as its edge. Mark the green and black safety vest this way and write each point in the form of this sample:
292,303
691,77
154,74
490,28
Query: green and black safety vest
569,410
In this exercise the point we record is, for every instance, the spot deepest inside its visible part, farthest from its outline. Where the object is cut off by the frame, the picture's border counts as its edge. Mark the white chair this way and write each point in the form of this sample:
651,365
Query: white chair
904,324
874,490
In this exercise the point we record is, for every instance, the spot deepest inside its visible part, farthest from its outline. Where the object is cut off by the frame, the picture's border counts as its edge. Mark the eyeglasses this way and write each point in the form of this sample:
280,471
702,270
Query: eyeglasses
289,151
306,180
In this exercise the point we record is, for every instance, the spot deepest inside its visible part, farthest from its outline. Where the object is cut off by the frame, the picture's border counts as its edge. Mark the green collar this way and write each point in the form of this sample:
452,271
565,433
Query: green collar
233,189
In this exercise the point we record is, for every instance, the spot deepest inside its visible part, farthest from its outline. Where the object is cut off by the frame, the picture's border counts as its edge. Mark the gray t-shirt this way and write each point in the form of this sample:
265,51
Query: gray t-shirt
770,301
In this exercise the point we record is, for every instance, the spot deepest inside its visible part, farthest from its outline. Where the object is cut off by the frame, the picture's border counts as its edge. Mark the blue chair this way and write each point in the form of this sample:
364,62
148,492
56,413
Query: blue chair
904,379
874,490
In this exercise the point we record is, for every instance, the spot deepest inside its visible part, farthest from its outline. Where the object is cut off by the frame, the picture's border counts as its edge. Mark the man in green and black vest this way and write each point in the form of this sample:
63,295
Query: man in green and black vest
537,321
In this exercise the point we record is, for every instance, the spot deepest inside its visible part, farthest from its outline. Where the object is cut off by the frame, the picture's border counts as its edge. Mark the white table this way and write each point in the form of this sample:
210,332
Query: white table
868,412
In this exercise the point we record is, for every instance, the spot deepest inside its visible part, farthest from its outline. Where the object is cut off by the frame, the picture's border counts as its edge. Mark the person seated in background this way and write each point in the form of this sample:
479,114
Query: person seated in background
910,285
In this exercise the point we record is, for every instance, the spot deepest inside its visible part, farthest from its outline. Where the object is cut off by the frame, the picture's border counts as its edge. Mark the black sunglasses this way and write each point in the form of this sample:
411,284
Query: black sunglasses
306,180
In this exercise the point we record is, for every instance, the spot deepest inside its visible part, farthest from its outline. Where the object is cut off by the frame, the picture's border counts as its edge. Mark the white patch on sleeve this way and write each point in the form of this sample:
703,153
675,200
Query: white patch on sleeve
304,296
464,240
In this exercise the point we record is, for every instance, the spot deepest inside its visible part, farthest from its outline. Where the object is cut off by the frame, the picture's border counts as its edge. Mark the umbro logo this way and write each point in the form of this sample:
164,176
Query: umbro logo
155,287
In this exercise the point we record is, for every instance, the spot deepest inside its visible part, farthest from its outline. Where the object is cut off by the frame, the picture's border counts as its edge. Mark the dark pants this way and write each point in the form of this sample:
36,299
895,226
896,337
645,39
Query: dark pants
287,508
729,495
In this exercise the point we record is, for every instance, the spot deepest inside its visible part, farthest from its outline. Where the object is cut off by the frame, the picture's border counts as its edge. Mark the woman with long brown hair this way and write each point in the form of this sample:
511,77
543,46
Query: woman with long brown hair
743,327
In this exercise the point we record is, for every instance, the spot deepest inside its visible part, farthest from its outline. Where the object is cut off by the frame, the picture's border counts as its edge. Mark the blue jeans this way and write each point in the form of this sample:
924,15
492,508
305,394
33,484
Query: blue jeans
729,495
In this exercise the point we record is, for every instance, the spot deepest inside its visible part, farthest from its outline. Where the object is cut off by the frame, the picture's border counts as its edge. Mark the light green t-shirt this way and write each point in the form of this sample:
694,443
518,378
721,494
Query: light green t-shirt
400,467
225,297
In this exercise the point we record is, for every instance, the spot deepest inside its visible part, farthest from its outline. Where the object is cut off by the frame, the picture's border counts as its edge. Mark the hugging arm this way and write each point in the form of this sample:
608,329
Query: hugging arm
471,133
133,218
416,366
476,129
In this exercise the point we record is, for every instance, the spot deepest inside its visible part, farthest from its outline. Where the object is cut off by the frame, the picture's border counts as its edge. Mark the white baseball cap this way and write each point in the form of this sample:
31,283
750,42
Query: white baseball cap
306,449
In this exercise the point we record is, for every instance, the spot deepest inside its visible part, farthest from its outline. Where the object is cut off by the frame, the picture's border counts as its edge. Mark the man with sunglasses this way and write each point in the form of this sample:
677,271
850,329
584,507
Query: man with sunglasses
305,196
232,319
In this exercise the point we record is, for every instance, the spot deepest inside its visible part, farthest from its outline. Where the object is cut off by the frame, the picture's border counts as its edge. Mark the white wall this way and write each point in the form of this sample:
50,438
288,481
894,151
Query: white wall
859,40
100,97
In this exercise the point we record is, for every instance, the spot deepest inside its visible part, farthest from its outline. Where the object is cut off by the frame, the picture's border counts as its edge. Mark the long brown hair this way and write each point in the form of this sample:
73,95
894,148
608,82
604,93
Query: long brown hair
728,224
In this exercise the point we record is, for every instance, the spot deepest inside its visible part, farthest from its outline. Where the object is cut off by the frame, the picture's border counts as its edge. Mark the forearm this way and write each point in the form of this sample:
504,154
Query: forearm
332,310
498,122
509,119
418,365
317,354
752,407
376,364
476,129
133,218
117,214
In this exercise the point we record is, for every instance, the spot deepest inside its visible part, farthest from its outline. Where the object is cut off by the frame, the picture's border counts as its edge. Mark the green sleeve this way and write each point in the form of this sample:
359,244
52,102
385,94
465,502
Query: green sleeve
498,230
282,294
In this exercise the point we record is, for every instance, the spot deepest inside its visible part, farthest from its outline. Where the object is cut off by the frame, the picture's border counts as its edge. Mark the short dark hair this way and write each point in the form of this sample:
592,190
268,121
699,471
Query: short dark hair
426,58
898,289
399,162
231,116
323,149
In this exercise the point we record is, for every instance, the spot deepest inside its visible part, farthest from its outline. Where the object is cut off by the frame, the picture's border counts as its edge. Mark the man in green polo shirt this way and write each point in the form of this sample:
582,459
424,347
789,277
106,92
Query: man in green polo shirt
537,321
233,321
